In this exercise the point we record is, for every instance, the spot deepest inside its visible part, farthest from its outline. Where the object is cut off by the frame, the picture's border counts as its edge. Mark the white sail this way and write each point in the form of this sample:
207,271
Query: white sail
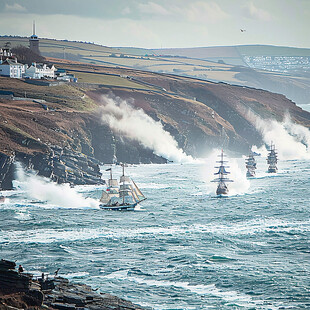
113,182
124,179
134,193
105,197
138,192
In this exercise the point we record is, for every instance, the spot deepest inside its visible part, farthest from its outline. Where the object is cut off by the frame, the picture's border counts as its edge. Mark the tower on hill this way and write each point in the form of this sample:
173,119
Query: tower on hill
34,41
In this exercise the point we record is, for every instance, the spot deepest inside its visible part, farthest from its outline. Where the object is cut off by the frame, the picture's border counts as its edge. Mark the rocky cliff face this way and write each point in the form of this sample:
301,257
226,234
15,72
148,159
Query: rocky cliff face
60,165
65,139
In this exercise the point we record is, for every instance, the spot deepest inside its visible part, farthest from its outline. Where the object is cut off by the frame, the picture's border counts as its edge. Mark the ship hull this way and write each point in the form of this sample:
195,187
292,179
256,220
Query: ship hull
121,207
250,174
222,192
272,170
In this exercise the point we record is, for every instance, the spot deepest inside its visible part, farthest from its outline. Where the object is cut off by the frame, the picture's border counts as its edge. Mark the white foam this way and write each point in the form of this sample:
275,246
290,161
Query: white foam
135,124
152,185
292,140
52,194
240,185
199,289
22,215
75,275
255,226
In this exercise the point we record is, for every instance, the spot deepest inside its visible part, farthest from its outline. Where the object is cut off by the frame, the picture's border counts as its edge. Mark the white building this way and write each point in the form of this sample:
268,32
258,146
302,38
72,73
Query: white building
39,71
11,68
4,54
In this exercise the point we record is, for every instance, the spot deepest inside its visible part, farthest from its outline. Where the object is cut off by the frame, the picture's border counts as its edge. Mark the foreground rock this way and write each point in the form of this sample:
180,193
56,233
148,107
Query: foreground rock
17,290
80,296
21,291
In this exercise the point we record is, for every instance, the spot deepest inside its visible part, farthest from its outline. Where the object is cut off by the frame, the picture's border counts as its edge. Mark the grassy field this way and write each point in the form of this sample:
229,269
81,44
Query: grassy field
65,97
48,45
107,80
187,65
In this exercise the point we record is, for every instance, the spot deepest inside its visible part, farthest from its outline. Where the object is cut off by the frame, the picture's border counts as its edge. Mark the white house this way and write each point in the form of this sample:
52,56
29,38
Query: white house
39,71
12,68
4,54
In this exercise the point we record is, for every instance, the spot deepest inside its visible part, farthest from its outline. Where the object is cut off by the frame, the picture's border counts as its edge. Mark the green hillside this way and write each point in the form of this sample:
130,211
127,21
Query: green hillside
229,64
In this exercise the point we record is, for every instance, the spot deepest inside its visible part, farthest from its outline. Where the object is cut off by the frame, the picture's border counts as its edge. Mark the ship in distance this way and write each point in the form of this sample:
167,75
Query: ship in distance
222,179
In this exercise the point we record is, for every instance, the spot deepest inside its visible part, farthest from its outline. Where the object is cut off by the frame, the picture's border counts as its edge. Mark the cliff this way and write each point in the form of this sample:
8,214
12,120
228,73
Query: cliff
59,132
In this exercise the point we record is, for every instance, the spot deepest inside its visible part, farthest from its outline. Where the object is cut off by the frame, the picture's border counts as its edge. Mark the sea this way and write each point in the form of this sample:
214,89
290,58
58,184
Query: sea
183,248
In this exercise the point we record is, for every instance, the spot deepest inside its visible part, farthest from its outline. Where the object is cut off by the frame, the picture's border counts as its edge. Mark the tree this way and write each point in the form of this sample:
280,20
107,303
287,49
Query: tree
25,55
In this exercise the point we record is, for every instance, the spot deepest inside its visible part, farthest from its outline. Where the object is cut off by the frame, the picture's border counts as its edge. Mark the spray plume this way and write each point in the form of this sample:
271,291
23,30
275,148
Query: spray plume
120,116
292,140
42,189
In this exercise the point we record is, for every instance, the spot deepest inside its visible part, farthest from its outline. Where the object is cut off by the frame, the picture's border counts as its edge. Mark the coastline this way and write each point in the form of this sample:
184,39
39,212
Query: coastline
20,290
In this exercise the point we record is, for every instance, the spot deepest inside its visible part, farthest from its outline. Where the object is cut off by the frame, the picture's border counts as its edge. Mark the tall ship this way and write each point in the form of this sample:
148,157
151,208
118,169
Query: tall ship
272,159
222,188
122,195
250,165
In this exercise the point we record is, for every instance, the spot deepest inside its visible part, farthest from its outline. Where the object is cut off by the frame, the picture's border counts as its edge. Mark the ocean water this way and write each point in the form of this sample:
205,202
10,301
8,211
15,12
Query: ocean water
184,248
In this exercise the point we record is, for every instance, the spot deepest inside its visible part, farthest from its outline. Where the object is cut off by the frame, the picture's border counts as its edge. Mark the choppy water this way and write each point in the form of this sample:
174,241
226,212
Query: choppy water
186,249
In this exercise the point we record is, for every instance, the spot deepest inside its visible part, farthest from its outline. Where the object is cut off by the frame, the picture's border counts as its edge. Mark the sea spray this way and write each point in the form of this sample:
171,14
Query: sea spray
237,173
292,141
135,124
260,150
53,194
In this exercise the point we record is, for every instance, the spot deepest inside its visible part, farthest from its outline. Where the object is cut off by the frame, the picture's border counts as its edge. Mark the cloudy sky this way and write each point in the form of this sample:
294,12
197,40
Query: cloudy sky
161,23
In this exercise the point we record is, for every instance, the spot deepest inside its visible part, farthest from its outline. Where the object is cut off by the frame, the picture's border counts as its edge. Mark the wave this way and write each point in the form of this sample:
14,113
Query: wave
230,296
251,227
52,195
75,275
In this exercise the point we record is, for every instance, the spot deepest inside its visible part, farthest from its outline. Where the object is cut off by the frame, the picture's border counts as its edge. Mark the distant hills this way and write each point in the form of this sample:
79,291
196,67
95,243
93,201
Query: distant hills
283,70
235,54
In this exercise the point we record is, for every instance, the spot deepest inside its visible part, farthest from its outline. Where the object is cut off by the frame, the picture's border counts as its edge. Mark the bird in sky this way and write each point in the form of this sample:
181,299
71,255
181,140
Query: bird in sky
242,30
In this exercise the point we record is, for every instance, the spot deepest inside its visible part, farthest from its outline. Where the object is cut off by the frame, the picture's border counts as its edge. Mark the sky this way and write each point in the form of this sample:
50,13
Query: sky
161,23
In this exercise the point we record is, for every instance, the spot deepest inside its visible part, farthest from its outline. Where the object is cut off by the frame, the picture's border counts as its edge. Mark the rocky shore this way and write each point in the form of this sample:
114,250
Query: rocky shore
19,290
60,165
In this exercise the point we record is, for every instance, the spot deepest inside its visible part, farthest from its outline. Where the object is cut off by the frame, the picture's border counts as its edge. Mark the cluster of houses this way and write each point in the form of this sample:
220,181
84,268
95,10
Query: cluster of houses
10,67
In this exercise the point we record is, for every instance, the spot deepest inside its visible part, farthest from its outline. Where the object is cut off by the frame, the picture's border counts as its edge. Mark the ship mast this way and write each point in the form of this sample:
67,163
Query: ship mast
222,179
272,159
250,164
123,182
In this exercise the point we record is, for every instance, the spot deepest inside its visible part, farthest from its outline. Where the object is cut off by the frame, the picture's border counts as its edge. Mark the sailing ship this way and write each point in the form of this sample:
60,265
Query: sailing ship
122,195
222,188
272,159
250,165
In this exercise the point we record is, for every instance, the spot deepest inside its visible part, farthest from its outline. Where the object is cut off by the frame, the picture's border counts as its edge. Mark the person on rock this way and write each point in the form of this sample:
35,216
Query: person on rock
20,269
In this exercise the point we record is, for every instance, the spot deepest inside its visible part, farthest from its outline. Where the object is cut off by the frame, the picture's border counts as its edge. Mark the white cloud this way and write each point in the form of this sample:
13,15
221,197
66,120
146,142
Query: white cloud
14,8
152,8
205,12
126,11
251,11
